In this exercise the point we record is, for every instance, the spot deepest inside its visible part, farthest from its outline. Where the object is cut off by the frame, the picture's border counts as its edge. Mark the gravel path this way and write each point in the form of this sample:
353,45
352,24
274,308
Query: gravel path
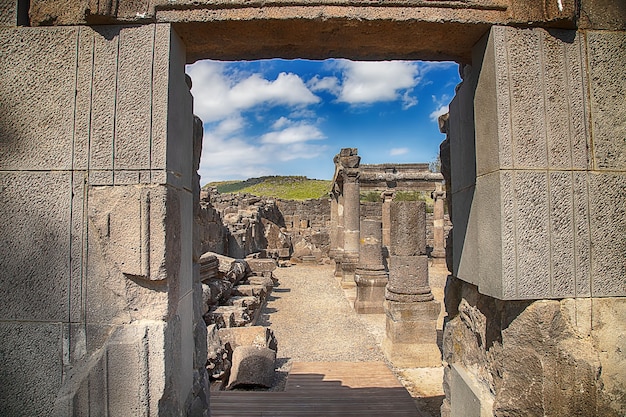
313,321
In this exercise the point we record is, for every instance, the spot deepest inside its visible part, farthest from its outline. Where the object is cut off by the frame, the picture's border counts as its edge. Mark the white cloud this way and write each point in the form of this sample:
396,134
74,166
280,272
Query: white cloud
438,112
330,84
370,82
229,126
293,134
218,95
287,89
281,122
398,151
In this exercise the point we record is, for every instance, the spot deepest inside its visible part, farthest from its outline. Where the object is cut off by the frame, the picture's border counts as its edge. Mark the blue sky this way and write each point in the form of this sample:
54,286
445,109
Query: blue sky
290,117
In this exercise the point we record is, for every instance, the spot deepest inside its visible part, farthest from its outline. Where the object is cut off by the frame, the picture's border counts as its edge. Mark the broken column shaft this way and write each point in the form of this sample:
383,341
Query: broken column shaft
411,323
370,275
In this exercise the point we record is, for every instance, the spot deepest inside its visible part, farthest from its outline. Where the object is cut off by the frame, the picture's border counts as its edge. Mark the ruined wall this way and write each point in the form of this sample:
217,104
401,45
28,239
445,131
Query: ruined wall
307,222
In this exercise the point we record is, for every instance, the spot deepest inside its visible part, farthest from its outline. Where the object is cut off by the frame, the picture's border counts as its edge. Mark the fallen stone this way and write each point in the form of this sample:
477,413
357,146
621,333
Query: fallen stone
258,336
252,366
250,290
265,282
245,301
262,267
233,316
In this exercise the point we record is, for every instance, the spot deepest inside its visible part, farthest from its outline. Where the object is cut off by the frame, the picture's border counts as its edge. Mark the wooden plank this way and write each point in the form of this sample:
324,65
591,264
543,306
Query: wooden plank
364,389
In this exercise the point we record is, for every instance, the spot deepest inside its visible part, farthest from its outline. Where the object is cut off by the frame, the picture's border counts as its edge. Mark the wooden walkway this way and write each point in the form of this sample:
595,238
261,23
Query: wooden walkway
323,389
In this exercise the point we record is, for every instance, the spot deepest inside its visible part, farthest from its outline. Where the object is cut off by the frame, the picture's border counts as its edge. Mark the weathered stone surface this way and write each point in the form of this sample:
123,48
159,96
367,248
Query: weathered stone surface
230,316
29,349
528,229
265,282
252,366
34,255
408,279
123,359
408,228
389,30
249,336
537,357
250,290
261,266
468,397
370,275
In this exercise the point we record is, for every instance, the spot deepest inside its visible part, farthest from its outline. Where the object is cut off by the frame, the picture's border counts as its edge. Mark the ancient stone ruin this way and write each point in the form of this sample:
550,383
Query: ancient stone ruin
99,151
238,225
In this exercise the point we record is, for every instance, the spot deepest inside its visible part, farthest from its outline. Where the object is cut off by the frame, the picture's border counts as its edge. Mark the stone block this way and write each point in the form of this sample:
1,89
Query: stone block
249,336
179,110
115,377
105,41
129,225
231,316
468,397
250,290
608,228
370,291
35,254
30,115
606,53
251,303
133,115
266,282
8,13
412,355
252,366
530,125
532,210
465,235
261,266
427,310
28,351
411,334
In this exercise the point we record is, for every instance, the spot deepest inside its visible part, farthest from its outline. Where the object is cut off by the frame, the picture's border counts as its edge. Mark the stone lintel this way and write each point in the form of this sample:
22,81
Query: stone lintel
398,29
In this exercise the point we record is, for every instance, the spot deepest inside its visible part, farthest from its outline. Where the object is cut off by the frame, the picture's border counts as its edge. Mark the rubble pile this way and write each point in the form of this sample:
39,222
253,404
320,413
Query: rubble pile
234,291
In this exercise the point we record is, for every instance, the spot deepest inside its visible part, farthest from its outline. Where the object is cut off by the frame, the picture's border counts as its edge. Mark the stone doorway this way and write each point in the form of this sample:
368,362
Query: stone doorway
550,188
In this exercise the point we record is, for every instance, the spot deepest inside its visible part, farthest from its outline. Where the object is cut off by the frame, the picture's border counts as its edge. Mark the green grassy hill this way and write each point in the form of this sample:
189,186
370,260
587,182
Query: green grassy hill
288,188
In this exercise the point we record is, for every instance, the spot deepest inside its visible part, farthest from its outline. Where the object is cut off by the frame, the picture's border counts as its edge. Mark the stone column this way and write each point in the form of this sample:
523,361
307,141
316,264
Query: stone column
411,332
439,248
338,256
351,234
370,275
387,197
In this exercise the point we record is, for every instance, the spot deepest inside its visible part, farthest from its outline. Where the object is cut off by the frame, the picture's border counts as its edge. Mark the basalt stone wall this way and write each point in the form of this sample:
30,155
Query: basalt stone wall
307,222
96,260
212,232
534,358
536,301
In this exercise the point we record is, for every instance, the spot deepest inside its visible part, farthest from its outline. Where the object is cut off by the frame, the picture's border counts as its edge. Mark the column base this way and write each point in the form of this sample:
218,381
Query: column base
370,291
338,258
349,263
411,334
